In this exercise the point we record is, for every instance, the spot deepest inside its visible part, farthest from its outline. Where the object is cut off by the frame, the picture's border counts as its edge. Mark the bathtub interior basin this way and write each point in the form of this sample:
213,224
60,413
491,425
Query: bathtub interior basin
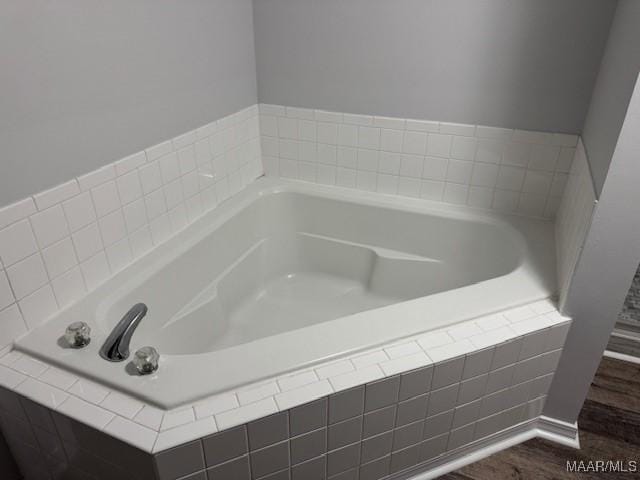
285,275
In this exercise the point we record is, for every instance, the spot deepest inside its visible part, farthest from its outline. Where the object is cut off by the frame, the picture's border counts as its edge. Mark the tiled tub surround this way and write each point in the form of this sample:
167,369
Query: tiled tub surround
61,243
503,169
574,218
425,401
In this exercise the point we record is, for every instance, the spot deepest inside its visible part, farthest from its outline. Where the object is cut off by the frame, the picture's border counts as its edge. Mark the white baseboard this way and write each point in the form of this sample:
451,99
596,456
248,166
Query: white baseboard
543,427
621,356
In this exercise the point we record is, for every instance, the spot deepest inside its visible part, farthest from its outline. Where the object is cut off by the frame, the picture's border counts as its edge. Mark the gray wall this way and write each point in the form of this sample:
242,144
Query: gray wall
618,72
514,63
85,82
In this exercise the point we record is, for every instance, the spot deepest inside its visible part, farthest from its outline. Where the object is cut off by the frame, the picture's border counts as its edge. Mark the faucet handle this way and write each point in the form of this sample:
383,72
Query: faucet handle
146,360
78,335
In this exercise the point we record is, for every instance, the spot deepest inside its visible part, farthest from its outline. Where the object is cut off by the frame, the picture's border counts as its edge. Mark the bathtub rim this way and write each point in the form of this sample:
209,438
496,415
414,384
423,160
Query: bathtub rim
167,388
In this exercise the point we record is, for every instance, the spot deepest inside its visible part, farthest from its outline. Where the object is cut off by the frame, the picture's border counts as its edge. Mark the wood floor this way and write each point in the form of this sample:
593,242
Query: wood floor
609,430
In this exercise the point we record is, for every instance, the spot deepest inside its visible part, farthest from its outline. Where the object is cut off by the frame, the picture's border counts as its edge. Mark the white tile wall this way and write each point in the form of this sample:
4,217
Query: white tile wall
574,217
58,244
503,169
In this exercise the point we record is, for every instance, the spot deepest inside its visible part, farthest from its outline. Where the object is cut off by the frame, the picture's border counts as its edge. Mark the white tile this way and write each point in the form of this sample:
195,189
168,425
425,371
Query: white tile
6,295
327,133
367,359
434,339
9,358
68,287
89,391
565,140
491,322
356,377
16,211
357,119
79,211
527,136
300,395
307,130
217,404
565,160
129,188
57,194
493,132
287,128
190,184
439,145
532,204
391,140
290,382
155,204
458,129
543,306
150,177
58,378
489,151
179,435
169,168
119,255
484,174
459,171
246,413
333,369
187,159
49,226
432,190
42,393
112,227
412,166
422,125
131,433
150,417
387,184
173,194
95,270
59,257
105,198
348,135
130,163
135,215
9,378
520,313
481,197
178,217
122,404
87,241
406,363
183,140
517,154
435,168
11,325
455,193
463,148
455,349
505,200
38,306
253,394
510,178
402,350
493,337
27,276
530,325
389,122
326,116
414,142
95,178
85,412
369,137
544,157
29,366
160,229
537,182
390,163
158,150
175,418
464,330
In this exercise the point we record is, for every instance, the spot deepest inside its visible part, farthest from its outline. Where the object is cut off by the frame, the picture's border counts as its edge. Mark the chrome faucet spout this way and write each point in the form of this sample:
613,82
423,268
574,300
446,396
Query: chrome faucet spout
116,347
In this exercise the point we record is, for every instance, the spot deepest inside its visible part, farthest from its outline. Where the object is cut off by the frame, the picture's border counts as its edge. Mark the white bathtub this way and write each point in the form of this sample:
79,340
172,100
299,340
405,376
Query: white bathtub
286,275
